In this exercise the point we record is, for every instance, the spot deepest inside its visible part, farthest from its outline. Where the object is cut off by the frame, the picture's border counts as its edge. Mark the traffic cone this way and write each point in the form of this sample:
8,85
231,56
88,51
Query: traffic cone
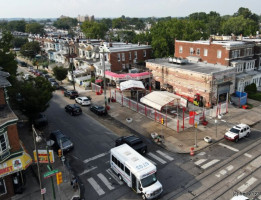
192,151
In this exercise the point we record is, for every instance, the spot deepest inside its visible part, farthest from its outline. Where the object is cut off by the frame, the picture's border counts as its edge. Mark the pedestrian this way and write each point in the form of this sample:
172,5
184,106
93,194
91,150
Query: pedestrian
74,183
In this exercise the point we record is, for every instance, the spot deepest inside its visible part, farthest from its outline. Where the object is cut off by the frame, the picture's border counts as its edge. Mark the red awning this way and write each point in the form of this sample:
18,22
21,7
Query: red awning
98,81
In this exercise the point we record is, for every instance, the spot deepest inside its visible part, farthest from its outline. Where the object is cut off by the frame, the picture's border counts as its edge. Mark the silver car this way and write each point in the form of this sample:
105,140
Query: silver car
84,101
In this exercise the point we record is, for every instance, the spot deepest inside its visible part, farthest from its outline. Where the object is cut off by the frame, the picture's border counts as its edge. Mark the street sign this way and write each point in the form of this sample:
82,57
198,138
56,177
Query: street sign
43,191
51,173
43,156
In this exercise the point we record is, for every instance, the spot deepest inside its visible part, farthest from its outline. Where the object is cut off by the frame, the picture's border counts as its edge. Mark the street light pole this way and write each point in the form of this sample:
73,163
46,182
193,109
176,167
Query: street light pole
71,66
104,79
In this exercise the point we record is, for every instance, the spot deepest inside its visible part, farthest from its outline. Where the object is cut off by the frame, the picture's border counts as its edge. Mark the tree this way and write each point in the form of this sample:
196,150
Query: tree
119,23
18,42
17,25
94,29
30,49
65,23
251,89
60,73
34,28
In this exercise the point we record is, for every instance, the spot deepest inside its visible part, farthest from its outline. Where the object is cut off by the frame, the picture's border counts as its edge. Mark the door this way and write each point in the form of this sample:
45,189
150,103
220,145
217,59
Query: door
134,182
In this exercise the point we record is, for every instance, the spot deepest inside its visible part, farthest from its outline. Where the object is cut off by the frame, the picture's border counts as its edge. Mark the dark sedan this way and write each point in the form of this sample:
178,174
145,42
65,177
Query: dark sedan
72,94
73,109
99,110
61,141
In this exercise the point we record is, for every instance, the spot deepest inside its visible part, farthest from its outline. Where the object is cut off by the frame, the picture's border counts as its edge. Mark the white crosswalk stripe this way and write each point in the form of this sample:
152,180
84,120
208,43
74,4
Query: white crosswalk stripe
109,171
165,155
200,161
250,182
212,162
228,147
105,181
95,185
95,157
152,161
157,158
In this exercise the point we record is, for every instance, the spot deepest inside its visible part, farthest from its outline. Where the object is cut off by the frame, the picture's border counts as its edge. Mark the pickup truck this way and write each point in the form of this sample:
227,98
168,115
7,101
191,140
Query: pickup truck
134,142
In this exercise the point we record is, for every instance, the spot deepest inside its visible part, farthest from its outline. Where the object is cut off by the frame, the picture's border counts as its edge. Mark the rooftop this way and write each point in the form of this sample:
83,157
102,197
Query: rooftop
119,46
226,43
204,68
6,114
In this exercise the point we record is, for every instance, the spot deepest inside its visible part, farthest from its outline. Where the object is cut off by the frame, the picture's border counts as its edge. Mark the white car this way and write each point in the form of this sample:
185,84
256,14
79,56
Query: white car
84,101
237,132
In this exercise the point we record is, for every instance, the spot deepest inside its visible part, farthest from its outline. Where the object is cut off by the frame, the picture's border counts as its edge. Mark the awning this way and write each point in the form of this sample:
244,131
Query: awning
15,164
131,84
98,81
158,99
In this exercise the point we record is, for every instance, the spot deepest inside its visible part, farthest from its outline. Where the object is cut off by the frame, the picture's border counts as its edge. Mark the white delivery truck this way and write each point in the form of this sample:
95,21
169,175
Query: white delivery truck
136,171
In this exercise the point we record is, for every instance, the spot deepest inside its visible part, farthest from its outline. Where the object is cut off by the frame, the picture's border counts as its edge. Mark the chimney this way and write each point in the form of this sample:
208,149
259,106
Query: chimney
139,43
210,40
110,44
126,41
147,43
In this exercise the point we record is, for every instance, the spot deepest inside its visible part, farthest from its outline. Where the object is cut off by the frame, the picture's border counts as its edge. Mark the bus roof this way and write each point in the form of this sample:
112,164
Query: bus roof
139,165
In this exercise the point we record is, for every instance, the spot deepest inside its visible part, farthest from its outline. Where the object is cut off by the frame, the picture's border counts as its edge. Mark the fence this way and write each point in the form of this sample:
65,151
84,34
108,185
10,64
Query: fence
96,88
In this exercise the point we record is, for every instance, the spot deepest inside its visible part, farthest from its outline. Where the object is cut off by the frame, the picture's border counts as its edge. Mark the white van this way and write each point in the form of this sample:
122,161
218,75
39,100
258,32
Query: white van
136,171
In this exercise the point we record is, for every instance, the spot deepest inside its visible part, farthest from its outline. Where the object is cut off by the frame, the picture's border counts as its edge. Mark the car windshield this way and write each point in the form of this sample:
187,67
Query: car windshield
85,99
234,130
149,180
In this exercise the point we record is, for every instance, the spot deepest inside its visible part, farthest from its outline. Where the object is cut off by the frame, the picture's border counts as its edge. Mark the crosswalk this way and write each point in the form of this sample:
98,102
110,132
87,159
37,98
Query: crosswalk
205,163
108,180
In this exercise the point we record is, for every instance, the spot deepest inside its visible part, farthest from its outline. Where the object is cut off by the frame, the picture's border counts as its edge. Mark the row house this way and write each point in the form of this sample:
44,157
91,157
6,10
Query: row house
213,82
240,55
14,159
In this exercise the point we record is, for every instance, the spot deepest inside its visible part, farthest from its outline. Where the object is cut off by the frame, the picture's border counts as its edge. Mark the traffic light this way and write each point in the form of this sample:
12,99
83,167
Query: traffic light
59,178
59,153
162,121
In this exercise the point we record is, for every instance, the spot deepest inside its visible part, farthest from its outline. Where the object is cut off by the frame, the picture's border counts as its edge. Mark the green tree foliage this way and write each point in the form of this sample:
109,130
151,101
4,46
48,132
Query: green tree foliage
251,89
19,41
34,28
94,29
126,36
17,25
36,94
107,22
60,73
143,38
65,23
30,49
119,23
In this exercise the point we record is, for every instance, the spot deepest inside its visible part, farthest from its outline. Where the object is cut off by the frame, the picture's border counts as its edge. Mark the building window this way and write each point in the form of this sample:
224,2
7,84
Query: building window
198,51
235,53
249,51
123,56
2,187
135,55
191,51
129,55
205,52
180,49
219,53
123,66
144,53
119,57
3,141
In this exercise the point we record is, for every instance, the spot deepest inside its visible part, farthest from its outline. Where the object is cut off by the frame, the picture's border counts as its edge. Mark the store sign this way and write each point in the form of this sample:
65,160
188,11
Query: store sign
43,156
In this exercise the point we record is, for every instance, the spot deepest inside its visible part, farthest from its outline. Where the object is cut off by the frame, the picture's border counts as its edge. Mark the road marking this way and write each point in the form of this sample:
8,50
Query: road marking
105,181
151,161
157,158
201,153
243,187
247,155
95,185
230,167
165,155
200,161
95,157
228,147
241,175
109,171
87,170
209,164
223,172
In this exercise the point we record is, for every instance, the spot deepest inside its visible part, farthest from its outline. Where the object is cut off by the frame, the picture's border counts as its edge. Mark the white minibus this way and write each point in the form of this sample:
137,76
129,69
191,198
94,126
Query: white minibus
136,171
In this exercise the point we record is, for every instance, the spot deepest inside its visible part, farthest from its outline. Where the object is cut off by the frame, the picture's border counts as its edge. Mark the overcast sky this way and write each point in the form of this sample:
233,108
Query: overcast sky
117,8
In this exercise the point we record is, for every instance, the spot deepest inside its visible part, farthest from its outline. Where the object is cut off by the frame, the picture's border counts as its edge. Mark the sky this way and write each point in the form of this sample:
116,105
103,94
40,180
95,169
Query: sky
117,8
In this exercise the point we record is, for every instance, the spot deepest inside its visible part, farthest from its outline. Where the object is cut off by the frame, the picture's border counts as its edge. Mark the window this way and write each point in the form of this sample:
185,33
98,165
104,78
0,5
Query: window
123,56
205,52
2,187
127,171
3,141
144,53
123,66
119,57
191,50
198,51
180,49
235,53
219,53
248,51
129,55
83,53
135,55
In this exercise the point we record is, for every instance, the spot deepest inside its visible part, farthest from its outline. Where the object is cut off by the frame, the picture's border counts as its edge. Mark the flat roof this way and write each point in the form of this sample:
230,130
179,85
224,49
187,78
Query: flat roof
227,43
119,46
203,68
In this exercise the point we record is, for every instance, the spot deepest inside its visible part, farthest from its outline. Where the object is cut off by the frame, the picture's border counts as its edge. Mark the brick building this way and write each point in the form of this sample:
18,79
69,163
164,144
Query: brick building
213,82
13,157
243,55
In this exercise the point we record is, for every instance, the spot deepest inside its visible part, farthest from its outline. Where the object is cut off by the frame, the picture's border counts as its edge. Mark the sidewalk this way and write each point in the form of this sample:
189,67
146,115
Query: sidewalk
178,142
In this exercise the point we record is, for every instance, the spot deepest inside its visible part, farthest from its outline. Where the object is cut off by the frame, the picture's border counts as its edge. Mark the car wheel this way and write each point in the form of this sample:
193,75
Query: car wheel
71,113
248,134
236,140
143,151
143,196
119,176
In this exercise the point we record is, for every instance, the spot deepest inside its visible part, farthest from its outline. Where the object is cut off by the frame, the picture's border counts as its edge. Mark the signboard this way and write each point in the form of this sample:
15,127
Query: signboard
51,173
43,191
43,158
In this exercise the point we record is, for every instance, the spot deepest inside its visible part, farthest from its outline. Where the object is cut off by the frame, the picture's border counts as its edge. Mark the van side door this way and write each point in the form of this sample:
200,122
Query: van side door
134,182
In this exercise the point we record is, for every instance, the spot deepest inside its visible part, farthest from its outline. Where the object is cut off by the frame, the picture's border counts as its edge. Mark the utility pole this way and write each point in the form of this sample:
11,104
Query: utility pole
38,168
49,163
104,79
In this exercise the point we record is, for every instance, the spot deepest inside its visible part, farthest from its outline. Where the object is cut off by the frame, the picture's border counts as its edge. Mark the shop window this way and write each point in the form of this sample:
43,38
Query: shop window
123,56
2,187
191,51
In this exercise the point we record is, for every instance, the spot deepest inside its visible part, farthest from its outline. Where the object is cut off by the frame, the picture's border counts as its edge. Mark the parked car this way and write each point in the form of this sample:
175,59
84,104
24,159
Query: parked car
99,110
133,141
46,76
26,76
40,120
51,80
73,109
72,94
55,85
237,132
61,141
84,101
31,69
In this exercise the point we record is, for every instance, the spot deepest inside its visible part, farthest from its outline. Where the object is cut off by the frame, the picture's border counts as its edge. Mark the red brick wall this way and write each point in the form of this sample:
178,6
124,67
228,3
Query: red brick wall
13,137
9,187
2,96
212,52
117,65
